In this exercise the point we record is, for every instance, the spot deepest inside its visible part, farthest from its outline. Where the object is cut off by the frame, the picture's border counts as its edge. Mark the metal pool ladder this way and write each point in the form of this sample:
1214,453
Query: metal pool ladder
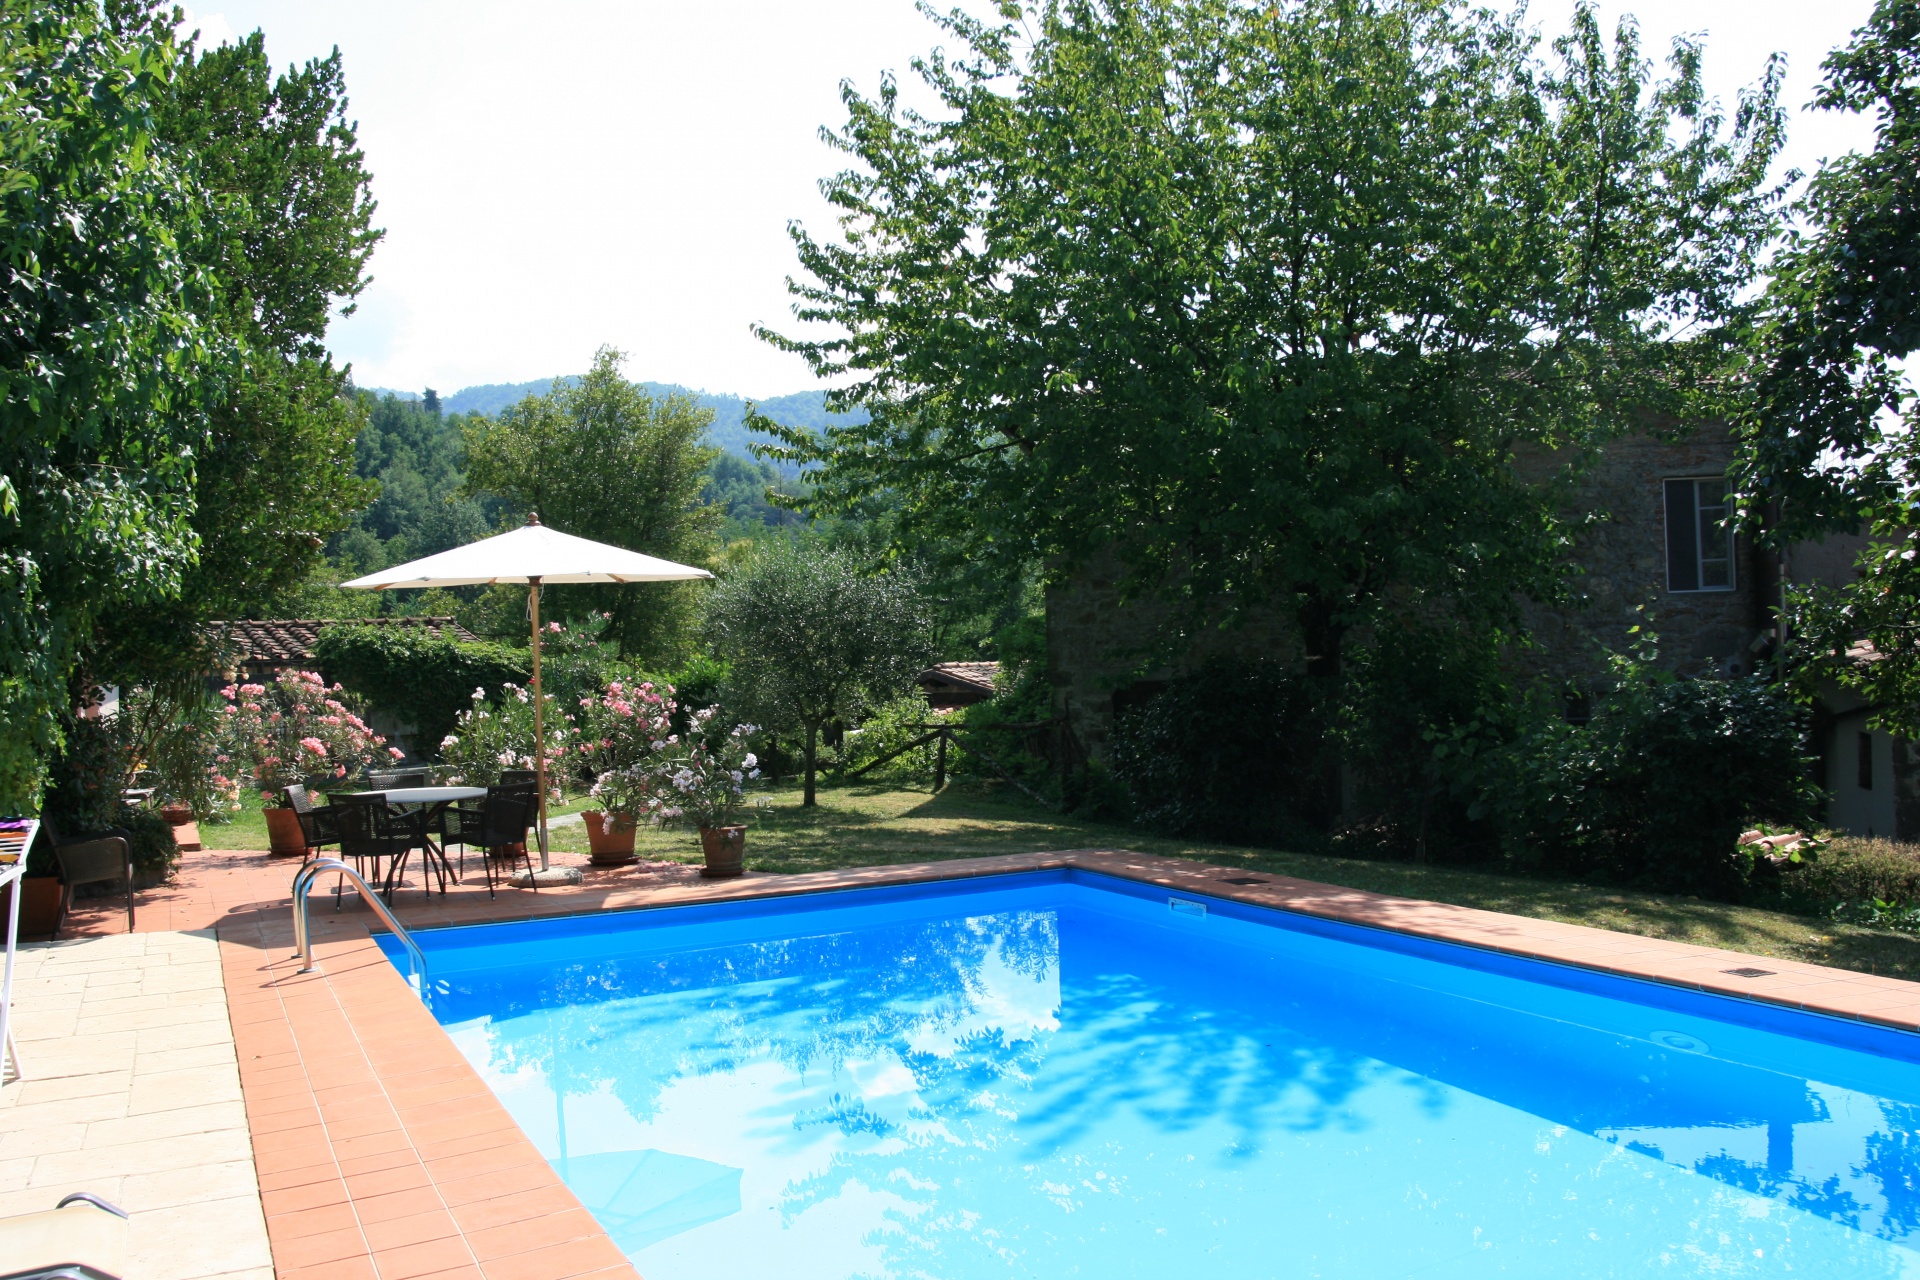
302,938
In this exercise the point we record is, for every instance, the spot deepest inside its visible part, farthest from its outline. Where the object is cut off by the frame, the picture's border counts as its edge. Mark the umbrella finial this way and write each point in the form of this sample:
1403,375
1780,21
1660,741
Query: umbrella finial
533,517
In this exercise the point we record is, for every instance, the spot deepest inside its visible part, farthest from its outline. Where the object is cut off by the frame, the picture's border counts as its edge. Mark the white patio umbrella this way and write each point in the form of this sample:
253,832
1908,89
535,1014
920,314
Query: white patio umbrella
535,555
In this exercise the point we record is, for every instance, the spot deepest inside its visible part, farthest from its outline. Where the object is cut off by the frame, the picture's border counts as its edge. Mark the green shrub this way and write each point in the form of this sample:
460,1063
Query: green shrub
696,686
87,777
84,796
176,735
1235,750
1655,790
1850,871
1423,706
889,727
422,679
154,850
575,662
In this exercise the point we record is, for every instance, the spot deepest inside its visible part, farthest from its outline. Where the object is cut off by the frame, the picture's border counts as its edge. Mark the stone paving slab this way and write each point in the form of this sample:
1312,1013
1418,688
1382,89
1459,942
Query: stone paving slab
105,1106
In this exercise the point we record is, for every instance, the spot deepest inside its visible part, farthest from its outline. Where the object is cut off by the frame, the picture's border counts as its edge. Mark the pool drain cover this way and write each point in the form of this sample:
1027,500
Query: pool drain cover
1749,973
1245,880
1679,1040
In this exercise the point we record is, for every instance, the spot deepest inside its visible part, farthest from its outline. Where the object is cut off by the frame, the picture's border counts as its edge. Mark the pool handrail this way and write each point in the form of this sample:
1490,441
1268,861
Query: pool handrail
302,936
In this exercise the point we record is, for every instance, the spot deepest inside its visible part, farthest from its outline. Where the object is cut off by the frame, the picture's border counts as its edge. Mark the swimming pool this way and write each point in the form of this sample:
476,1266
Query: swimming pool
1066,1074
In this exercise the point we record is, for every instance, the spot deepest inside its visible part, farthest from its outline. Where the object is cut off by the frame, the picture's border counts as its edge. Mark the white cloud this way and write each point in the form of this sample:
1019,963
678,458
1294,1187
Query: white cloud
212,27
609,171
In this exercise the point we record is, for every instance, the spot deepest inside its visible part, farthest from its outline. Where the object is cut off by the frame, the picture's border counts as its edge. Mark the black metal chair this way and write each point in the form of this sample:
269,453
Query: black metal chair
318,826
519,778
371,828
93,858
389,779
498,823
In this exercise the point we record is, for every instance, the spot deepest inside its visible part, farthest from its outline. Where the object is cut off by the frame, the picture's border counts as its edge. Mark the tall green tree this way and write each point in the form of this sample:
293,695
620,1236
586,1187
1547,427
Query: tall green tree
808,639
108,340
1262,298
292,210
1827,440
599,458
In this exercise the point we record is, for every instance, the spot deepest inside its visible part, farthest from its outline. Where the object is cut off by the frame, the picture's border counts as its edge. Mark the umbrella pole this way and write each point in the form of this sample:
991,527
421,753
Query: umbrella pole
539,725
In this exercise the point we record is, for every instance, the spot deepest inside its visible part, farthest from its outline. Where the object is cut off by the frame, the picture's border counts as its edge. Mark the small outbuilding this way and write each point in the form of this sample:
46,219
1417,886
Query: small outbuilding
958,684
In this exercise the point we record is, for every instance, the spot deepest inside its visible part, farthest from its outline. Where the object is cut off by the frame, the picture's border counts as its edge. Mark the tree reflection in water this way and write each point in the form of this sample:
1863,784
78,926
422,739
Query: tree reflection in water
1034,1091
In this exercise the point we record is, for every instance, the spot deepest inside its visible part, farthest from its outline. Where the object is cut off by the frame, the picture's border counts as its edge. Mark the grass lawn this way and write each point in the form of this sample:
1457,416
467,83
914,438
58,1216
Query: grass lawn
248,828
866,825
862,825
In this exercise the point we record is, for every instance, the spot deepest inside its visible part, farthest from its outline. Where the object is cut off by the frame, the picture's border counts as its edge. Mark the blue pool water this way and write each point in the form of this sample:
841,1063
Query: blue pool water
1062,1074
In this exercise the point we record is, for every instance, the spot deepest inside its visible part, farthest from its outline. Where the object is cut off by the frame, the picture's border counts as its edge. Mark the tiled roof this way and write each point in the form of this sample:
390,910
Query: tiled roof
977,675
284,641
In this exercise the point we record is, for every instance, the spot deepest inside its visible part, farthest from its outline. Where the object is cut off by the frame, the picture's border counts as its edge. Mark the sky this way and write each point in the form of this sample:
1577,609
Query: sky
558,176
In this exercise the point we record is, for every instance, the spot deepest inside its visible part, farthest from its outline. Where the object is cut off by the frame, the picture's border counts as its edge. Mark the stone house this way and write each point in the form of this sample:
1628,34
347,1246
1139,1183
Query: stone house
1650,549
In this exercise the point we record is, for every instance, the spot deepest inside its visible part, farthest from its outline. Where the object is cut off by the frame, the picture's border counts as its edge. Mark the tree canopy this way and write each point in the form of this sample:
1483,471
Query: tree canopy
601,459
1827,438
808,638
1263,297
288,194
108,342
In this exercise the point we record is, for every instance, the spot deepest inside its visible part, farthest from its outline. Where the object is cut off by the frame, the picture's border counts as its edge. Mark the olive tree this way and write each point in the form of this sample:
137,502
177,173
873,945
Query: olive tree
808,639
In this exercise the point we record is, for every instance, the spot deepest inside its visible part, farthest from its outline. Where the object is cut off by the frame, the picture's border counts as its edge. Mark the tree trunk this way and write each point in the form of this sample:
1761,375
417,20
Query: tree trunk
1323,637
812,753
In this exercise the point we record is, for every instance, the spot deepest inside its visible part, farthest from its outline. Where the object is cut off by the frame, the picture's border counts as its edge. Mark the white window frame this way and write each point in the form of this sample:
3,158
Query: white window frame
1695,533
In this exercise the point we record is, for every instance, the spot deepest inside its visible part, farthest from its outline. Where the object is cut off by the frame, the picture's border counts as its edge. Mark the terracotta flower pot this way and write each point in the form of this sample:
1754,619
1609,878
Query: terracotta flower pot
176,815
39,906
725,847
608,847
284,837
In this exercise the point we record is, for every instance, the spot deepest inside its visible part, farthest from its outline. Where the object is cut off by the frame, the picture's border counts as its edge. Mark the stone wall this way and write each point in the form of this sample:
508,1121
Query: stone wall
1620,553
1100,649
1104,654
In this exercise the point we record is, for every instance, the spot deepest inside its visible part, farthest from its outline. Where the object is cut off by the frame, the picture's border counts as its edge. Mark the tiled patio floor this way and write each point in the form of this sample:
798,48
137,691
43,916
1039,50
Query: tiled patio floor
381,1153
132,1092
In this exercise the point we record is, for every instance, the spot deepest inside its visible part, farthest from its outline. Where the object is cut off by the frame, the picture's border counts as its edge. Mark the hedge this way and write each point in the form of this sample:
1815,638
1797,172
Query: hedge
422,679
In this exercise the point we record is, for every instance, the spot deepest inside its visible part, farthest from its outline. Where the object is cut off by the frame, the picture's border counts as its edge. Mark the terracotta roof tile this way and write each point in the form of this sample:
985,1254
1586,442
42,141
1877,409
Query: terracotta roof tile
977,675
289,641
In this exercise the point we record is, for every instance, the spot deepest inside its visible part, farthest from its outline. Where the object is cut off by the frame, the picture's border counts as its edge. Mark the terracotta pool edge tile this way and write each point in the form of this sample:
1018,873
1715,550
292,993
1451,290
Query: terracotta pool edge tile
1679,964
358,1002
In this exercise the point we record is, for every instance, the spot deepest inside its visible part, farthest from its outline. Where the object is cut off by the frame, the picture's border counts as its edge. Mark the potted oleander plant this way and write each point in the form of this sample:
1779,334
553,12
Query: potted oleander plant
298,730
704,781
620,731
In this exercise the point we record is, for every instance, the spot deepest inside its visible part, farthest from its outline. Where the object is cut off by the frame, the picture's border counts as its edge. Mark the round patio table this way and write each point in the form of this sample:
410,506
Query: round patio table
442,796
434,800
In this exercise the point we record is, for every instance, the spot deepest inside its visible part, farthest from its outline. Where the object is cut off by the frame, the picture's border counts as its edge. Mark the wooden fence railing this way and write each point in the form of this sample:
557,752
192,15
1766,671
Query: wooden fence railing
944,735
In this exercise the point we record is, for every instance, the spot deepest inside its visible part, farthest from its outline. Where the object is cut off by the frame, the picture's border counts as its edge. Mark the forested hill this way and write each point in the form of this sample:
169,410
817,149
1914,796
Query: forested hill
729,432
